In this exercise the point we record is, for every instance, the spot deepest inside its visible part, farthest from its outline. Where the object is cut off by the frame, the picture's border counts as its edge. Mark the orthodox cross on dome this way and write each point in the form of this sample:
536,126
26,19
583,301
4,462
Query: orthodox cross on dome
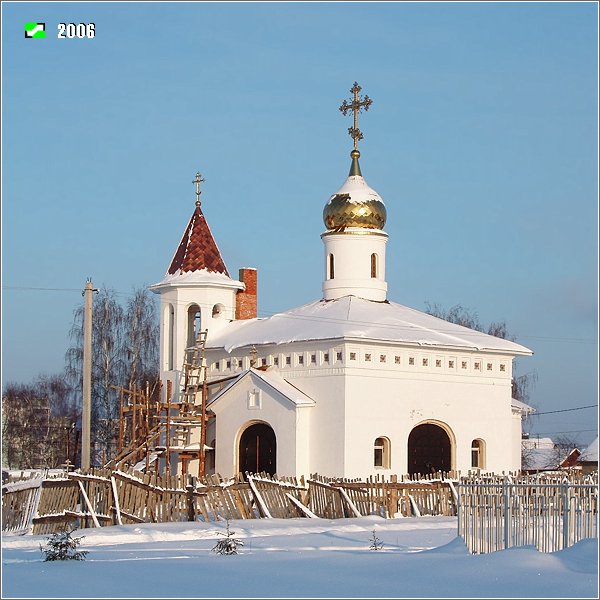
356,105
199,179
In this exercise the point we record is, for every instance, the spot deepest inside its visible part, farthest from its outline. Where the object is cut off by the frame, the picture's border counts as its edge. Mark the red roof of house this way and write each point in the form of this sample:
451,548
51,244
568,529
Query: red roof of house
197,249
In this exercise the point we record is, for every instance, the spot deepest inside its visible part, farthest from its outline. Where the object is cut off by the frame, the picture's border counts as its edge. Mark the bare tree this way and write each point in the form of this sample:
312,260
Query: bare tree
141,338
23,419
458,314
41,419
39,423
124,353
107,365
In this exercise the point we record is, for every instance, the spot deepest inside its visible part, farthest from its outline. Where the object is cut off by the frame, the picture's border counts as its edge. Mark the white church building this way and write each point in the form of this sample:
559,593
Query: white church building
350,385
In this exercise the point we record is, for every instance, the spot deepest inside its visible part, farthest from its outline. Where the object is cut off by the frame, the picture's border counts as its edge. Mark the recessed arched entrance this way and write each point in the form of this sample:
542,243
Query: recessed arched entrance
429,449
258,449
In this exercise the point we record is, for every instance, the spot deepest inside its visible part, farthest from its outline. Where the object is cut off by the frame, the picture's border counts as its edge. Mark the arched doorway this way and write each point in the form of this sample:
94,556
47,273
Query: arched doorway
258,450
429,449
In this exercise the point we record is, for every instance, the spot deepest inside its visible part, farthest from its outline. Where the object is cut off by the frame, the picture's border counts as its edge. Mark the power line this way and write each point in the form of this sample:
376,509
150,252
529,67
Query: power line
40,289
572,431
551,412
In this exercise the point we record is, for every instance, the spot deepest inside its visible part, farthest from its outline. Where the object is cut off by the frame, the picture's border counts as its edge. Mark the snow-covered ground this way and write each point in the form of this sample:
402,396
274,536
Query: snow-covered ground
303,558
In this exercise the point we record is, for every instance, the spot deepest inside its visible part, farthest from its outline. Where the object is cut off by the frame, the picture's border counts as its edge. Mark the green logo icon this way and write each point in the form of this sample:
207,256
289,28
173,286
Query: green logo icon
35,30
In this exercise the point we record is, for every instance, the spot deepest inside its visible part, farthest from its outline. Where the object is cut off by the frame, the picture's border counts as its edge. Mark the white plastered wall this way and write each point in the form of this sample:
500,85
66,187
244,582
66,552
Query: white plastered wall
352,252
206,297
356,402
382,403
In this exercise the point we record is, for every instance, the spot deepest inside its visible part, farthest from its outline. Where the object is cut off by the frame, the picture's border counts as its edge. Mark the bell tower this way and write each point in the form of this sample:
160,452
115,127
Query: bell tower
196,294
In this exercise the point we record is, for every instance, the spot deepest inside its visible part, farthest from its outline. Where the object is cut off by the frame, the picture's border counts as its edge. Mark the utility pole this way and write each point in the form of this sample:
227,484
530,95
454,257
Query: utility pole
86,412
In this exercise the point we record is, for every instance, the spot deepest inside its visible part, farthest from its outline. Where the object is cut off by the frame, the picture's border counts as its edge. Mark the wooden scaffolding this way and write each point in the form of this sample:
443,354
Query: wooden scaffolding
151,429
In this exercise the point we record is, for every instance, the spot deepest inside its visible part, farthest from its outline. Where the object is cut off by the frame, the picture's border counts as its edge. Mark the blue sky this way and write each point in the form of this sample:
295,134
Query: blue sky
482,141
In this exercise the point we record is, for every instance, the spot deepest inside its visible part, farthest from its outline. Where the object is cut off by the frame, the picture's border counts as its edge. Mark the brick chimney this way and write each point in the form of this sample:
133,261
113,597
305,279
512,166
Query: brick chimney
245,301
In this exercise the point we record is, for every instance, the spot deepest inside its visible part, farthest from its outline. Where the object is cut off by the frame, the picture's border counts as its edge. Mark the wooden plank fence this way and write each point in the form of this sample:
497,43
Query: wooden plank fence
550,510
338,498
104,497
20,500
547,512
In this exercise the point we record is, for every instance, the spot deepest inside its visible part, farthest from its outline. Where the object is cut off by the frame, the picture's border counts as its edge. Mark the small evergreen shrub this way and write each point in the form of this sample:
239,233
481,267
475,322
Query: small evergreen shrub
62,546
227,545
376,543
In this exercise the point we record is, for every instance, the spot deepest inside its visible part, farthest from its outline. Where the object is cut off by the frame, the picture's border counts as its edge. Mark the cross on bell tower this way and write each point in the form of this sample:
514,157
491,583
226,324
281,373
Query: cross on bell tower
199,179
356,105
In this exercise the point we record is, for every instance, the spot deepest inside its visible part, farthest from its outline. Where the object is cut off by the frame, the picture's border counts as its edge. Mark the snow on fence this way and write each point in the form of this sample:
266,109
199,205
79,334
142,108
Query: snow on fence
550,512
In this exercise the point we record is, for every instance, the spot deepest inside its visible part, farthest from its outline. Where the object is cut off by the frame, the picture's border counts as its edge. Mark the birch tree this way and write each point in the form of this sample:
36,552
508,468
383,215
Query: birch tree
124,353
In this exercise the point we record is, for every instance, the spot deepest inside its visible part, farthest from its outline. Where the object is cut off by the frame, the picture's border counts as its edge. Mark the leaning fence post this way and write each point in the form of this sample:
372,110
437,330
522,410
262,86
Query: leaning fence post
191,513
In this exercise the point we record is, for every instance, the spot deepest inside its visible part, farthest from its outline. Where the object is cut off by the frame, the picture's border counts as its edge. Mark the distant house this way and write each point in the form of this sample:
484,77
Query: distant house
588,461
542,454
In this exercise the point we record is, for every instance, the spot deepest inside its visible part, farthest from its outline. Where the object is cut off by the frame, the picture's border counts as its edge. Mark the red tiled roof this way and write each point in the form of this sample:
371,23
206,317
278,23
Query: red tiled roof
197,249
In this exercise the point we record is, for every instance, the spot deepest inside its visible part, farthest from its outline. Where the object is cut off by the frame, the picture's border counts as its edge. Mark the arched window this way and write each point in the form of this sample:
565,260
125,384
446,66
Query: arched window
170,334
193,323
374,266
330,267
478,454
381,453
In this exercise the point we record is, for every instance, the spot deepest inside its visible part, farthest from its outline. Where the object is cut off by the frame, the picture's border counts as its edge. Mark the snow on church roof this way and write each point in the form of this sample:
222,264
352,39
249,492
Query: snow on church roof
352,317
521,406
193,278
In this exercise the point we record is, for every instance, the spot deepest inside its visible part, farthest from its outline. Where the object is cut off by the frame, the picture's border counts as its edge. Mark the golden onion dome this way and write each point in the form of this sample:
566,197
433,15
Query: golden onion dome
355,204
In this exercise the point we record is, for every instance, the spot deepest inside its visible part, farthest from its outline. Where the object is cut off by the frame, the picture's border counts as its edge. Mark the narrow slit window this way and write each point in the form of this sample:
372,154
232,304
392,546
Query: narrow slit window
171,338
330,267
374,266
